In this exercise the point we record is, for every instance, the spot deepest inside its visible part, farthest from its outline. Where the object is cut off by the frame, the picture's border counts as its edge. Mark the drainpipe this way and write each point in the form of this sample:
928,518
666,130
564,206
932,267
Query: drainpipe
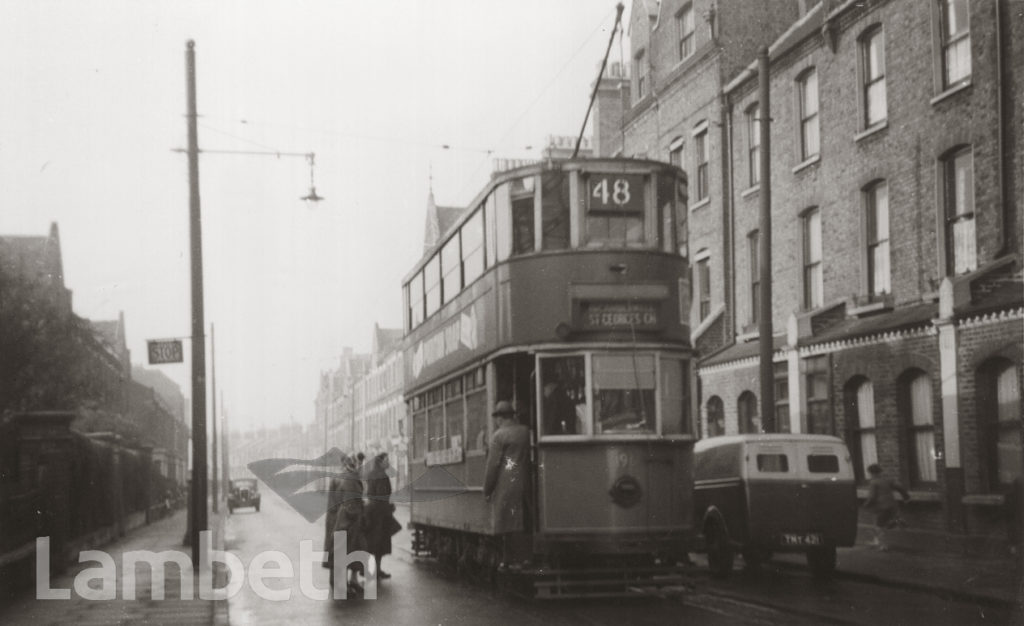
728,223
1004,202
765,340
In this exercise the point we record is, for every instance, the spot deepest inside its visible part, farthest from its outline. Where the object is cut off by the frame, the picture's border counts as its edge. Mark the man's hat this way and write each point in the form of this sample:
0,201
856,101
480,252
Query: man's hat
502,408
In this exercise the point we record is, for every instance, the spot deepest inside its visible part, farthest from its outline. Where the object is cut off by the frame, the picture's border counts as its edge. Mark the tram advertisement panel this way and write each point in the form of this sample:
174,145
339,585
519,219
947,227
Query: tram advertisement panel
455,339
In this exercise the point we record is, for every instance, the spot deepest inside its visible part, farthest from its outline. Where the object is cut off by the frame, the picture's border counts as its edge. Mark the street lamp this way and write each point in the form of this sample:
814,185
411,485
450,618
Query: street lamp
311,197
197,504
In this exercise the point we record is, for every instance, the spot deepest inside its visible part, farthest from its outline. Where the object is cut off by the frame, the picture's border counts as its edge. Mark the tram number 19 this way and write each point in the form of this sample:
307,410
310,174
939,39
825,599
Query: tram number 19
616,193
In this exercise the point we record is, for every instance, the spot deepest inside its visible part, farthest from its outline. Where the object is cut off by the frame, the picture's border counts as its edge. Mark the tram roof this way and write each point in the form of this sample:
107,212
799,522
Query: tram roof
546,165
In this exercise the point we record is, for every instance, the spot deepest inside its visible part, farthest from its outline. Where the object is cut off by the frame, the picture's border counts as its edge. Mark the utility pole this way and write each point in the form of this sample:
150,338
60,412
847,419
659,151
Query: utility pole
215,476
764,325
224,445
197,515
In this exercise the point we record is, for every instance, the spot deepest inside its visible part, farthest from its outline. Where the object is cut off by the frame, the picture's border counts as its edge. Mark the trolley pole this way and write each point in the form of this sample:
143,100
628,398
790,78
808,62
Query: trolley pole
199,477
764,325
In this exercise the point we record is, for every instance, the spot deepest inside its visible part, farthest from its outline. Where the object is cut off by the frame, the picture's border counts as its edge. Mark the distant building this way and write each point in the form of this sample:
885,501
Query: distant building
335,421
37,259
112,402
167,391
379,410
287,441
439,220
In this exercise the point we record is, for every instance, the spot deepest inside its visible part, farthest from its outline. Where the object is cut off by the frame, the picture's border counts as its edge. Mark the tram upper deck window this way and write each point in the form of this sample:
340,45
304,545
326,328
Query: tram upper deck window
451,269
623,393
490,230
616,210
415,298
673,218
522,195
473,247
432,285
554,211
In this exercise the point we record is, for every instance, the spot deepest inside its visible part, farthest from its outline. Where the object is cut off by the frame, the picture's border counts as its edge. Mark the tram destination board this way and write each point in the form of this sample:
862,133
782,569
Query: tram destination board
165,351
619,315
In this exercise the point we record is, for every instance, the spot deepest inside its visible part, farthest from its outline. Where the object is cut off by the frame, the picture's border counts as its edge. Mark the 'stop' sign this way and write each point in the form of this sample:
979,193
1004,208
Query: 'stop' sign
166,351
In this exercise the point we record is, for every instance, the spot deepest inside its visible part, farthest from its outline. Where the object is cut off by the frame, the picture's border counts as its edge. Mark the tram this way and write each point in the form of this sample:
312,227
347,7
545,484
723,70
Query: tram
562,289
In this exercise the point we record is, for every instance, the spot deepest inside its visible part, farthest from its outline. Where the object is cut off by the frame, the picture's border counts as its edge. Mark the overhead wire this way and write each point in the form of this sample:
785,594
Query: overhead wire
540,94
487,151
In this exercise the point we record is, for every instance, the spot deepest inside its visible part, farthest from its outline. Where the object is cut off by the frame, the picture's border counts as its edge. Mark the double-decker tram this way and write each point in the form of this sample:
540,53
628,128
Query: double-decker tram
563,290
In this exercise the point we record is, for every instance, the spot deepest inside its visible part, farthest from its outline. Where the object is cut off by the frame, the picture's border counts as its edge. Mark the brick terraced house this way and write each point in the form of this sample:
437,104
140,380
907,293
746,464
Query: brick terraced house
896,192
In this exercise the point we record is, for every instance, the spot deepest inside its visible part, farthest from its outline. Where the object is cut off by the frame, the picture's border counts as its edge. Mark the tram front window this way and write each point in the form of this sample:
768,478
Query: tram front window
624,388
563,382
615,231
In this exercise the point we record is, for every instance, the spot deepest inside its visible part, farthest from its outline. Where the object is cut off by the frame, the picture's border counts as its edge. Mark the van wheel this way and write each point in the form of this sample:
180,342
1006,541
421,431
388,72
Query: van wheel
822,561
720,553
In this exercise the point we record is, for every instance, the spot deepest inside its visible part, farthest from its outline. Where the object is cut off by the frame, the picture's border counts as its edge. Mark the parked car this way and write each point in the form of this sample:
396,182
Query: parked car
244,492
765,493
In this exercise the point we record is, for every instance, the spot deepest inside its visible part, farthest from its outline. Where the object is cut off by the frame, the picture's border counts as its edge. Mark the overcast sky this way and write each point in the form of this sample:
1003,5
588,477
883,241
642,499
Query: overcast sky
93,107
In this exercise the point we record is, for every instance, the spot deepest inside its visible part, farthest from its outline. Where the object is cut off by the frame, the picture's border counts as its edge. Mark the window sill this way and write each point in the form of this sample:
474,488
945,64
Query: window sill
955,89
752,191
809,162
748,336
871,130
701,204
880,304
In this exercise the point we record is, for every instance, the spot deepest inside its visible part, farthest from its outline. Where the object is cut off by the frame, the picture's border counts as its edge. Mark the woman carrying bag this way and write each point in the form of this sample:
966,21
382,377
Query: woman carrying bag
380,521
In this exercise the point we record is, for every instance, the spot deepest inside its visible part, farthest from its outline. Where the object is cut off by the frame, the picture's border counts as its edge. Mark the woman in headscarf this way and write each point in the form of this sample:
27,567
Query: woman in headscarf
378,512
333,502
347,490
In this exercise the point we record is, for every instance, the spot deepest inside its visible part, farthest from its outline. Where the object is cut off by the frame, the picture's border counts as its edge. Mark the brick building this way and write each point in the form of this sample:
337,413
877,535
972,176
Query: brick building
896,251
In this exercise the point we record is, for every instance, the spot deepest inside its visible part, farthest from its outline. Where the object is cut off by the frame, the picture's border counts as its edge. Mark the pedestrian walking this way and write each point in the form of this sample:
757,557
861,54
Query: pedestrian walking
380,520
882,501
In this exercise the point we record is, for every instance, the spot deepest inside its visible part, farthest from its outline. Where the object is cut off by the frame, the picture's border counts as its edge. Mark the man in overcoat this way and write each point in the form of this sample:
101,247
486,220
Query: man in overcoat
506,480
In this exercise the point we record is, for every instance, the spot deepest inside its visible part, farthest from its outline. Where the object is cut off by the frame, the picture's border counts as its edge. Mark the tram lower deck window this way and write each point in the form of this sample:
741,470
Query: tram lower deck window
624,393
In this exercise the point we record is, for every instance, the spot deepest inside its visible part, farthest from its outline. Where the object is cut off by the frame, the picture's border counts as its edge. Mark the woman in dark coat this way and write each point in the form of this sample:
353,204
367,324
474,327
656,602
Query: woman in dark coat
379,512
349,517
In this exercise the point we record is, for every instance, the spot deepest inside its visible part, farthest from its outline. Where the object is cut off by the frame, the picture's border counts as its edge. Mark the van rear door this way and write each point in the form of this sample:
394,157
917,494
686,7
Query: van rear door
828,490
800,494
774,504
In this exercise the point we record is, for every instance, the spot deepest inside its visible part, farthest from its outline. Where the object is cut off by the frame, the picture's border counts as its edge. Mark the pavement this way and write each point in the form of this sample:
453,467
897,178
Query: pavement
918,561
165,534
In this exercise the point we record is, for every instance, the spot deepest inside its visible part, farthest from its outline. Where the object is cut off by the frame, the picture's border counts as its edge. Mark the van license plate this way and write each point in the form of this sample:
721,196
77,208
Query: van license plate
801,539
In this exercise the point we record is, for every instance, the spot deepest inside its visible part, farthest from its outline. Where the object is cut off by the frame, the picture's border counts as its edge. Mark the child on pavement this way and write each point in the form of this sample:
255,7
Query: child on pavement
882,501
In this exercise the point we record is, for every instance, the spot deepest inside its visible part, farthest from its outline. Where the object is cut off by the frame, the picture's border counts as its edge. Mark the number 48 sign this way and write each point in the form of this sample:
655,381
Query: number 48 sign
616,192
